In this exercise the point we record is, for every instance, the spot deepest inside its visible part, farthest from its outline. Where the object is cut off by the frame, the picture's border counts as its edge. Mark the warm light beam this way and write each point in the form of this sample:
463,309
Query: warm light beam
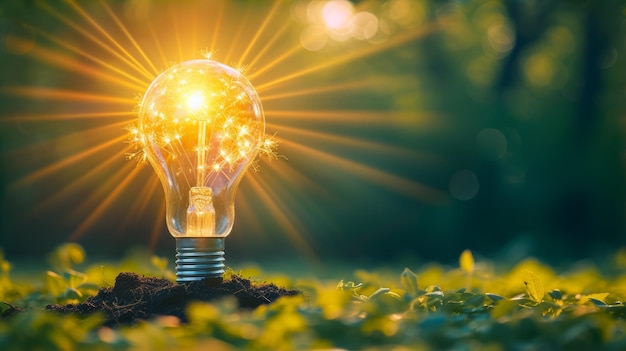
122,178
268,19
135,64
351,56
57,166
129,36
390,181
80,30
66,116
65,95
282,217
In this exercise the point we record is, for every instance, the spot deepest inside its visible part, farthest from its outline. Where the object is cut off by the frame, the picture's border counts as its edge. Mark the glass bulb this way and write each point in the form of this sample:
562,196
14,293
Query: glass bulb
200,124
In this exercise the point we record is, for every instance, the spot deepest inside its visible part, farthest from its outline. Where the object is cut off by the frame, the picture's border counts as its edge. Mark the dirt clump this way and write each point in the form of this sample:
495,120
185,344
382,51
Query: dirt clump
134,298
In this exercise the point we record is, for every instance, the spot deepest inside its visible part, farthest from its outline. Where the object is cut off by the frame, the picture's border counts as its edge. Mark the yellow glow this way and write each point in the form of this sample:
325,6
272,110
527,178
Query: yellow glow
120,56
337,13
200,137
195,101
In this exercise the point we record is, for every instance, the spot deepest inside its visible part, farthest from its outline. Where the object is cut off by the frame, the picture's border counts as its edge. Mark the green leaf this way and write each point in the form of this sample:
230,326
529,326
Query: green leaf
597,302
556,294
72,293
534,286
494,297
67,255
409,281
474,301
504,308
378,293
437,293
159,262
466,261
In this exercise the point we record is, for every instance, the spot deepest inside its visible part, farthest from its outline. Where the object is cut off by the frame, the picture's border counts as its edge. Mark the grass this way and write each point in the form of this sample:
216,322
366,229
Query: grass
473,306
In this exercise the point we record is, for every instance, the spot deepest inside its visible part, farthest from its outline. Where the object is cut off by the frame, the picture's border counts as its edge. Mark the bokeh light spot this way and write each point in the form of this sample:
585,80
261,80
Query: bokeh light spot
464,185
364,25
491,144
337,13
501,38
539,70
399,9
313,38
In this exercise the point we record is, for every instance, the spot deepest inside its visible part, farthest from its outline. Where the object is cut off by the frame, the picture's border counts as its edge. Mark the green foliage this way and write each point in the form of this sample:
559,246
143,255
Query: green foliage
528,306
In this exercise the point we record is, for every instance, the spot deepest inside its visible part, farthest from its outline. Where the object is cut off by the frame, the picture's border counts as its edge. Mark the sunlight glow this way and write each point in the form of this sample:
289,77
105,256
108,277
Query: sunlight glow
99,57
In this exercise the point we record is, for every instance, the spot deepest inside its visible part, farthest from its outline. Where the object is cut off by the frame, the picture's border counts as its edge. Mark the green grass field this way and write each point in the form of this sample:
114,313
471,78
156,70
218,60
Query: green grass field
473,306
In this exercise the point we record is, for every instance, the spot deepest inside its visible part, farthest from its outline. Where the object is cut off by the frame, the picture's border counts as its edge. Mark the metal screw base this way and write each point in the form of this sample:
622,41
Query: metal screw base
199,258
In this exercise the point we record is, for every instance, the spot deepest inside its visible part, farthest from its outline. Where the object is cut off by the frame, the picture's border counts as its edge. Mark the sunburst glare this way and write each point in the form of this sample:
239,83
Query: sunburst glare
347,143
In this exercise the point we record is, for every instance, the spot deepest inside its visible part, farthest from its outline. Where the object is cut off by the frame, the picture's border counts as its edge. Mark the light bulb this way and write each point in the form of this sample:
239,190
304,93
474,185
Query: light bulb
200,125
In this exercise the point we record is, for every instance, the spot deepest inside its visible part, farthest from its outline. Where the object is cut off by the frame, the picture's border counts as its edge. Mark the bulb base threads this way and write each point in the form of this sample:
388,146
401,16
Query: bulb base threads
199,258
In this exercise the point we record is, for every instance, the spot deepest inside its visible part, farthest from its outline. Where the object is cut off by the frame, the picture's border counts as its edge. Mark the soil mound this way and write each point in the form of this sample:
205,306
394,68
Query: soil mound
134,298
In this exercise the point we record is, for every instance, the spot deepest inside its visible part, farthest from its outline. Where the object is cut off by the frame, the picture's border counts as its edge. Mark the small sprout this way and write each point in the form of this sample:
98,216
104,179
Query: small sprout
475,301
534,286
597,298
437,293
556,295
597,302
466,261
376,294
67,255
159,262
495,297
409,281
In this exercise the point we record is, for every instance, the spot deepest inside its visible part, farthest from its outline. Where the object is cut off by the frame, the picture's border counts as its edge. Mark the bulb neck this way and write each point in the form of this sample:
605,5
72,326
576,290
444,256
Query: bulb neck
199,258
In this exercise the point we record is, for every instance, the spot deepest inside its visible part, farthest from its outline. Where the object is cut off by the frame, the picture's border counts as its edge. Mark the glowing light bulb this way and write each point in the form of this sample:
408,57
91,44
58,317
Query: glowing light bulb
200,125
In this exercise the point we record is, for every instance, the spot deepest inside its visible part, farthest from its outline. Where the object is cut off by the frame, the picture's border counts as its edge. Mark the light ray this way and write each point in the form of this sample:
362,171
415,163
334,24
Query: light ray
73,65
350,116
236,38
157,44
65,95
158,227
65,116
361,144
274,62
364,52
114,56
290,175
268,18
148,189
179,44
216,27
61,139
359,84
267,46
282,218
92,58
59,194
129,36
390,181
138,66
93,39
194,29
65,162
248,216
104,204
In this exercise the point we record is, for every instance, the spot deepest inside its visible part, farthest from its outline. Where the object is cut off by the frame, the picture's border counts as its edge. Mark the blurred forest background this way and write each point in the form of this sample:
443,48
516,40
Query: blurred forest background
516,108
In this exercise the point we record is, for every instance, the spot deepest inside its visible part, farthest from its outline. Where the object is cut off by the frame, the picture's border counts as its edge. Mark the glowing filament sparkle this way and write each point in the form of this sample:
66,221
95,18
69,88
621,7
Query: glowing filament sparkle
200,125
195,101
183,133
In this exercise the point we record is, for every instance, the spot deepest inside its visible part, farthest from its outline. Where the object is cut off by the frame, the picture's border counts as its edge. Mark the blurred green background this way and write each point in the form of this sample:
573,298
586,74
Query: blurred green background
490,125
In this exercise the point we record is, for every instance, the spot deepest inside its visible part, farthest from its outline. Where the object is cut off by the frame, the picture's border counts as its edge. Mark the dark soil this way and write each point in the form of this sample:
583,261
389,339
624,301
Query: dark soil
134,298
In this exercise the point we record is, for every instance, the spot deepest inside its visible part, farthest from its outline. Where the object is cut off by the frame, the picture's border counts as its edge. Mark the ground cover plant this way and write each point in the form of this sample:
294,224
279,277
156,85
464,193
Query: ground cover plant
471,306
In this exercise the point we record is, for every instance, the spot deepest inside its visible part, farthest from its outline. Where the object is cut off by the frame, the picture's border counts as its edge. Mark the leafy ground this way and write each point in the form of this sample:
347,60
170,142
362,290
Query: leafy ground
469,307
